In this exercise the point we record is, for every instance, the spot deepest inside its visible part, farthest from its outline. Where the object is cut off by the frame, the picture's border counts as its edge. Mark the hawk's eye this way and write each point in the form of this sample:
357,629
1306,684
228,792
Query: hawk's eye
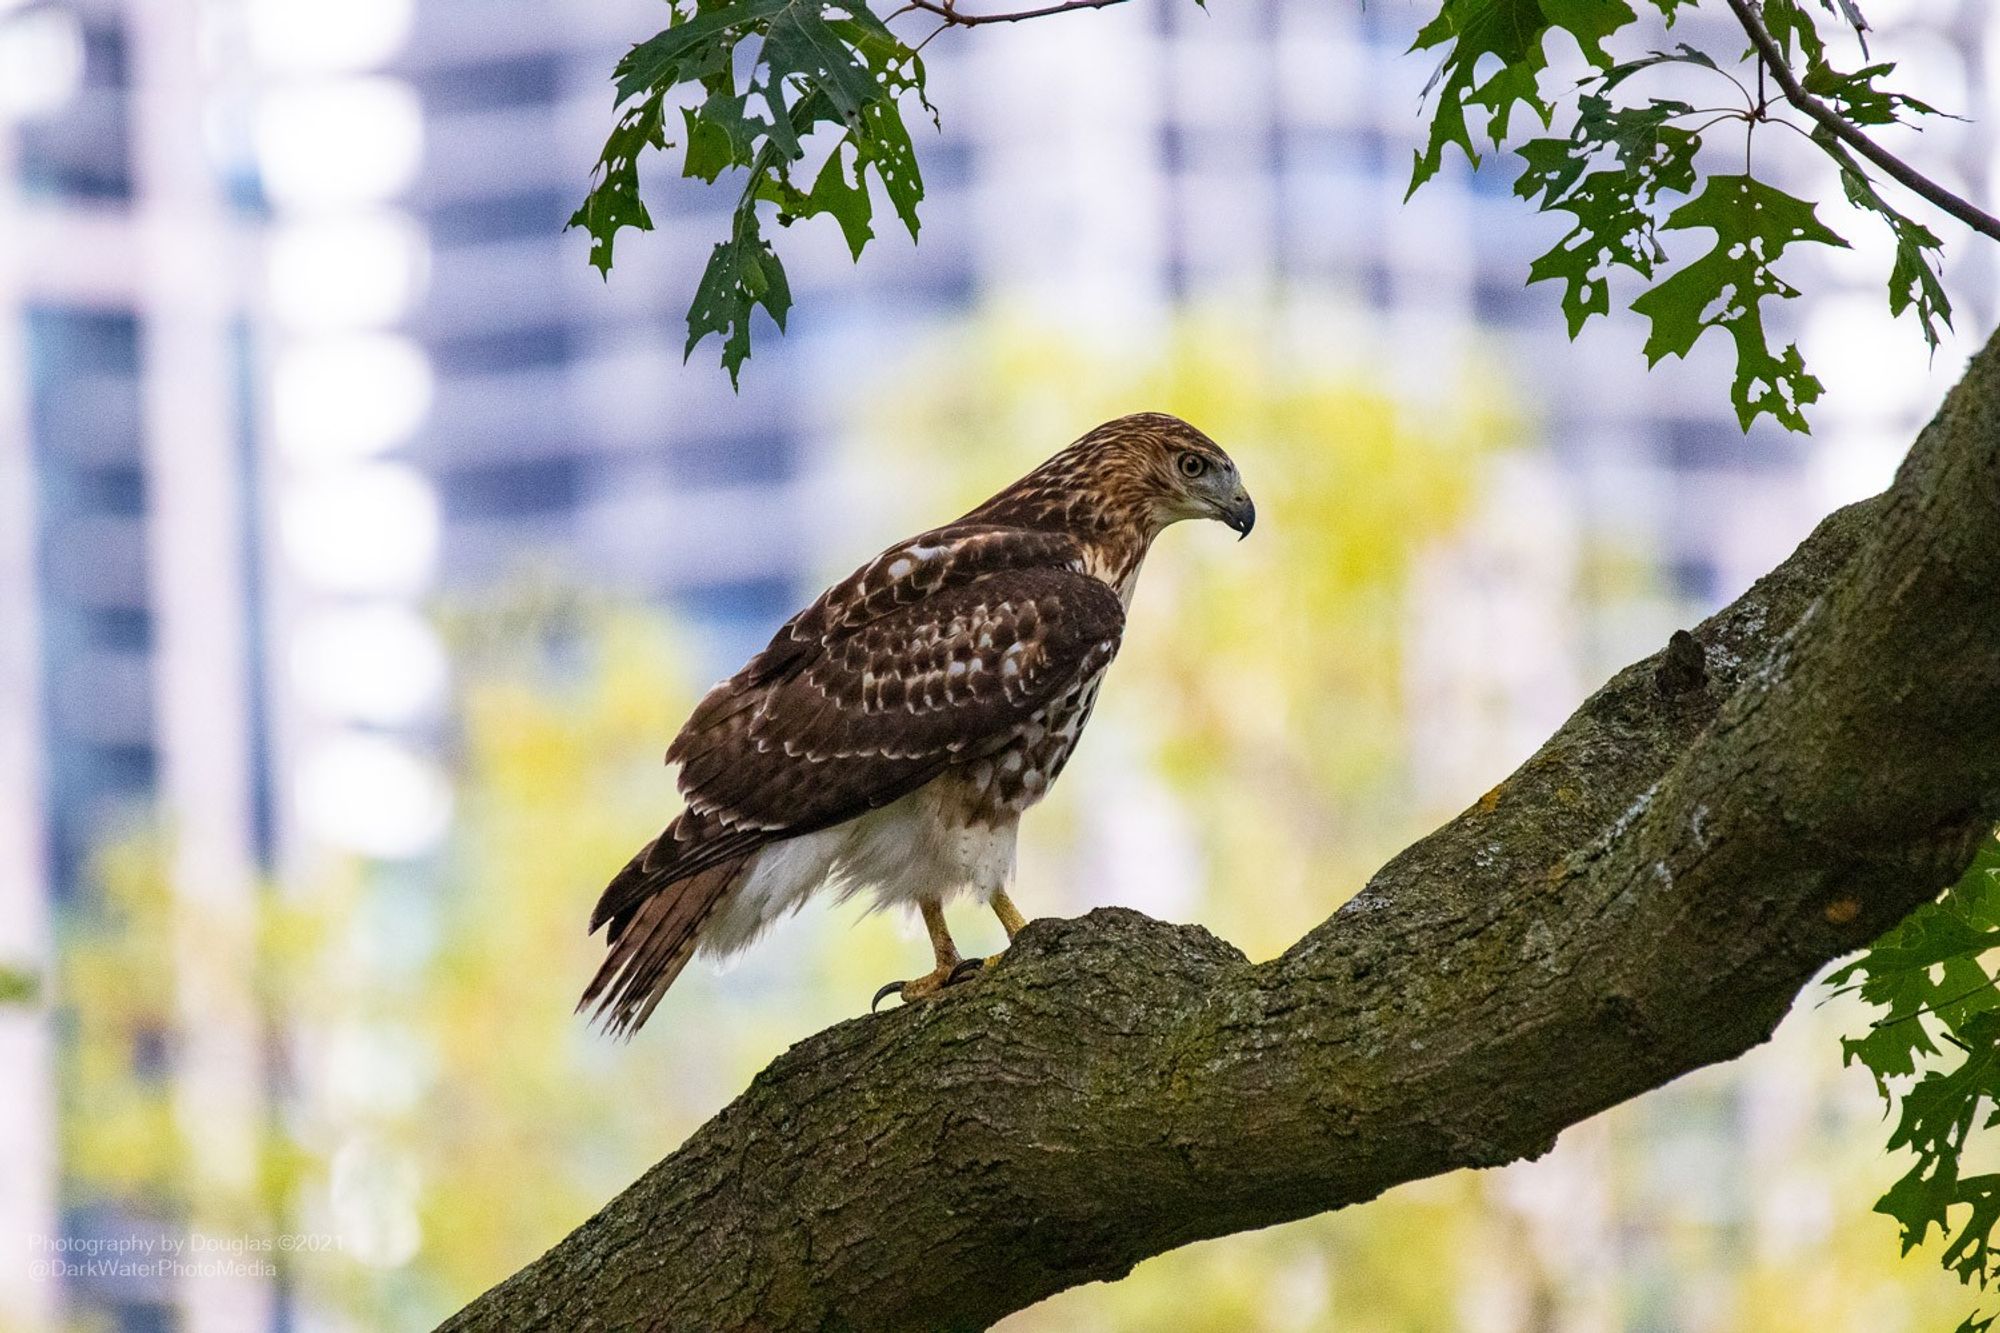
1193,465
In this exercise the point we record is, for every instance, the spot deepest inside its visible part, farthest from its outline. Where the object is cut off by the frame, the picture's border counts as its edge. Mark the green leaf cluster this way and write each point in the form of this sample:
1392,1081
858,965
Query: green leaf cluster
1934,1049
763,81
1624,157
759,86
1494,53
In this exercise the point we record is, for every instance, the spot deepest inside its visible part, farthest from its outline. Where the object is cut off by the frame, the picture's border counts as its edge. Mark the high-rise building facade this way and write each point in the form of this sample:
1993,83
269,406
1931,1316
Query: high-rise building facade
130,576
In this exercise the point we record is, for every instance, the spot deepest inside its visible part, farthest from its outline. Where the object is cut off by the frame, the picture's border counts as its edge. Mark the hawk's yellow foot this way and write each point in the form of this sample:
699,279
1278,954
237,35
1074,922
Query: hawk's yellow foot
948,960
1010,919
923,987
1010,916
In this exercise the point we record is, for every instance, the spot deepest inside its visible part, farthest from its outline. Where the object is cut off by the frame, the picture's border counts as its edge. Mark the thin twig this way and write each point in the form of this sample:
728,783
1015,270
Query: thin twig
1934,1007
1835,124
1741,87
1711,123
948,11
1799,130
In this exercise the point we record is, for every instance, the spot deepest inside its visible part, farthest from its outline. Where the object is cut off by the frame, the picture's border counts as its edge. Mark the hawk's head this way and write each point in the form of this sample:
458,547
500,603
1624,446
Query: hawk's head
1161,469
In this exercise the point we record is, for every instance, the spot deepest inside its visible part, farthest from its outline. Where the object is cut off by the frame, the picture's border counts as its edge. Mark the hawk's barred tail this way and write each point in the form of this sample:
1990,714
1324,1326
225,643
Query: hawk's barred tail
651,943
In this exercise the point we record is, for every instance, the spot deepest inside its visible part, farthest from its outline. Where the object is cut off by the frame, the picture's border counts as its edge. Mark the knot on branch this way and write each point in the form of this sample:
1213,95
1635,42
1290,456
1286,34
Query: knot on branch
1127,936
1683,666
1111,965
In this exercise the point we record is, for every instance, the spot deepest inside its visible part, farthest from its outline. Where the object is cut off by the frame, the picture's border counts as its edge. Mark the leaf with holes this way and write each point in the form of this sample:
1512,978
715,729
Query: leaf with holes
1938,1111
780,78
1754,224
1794,29
1494,60
613,202
1613,207
1856,98
743,273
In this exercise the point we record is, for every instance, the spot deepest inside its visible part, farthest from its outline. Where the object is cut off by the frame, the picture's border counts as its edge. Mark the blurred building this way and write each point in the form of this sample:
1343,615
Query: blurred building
292,346
133,679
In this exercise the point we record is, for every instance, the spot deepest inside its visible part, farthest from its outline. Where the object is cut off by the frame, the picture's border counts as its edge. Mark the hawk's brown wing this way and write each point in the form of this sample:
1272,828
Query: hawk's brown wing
865,697
927,564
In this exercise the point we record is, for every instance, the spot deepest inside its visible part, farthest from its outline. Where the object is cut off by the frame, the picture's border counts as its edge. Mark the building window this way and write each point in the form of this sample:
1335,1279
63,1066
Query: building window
502,217
537,347
492,85
84,150
513,490
764,456
90,507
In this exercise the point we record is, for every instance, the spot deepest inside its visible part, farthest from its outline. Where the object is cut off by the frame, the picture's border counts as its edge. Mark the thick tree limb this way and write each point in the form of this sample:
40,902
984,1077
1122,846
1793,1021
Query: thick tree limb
1646,895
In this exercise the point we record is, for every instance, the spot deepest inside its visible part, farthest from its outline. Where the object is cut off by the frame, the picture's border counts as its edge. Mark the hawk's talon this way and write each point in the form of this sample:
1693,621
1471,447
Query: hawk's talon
923,987
967,968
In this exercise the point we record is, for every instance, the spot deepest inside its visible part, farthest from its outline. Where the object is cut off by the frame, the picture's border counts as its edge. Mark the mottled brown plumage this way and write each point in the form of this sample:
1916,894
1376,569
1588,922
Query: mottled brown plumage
893,732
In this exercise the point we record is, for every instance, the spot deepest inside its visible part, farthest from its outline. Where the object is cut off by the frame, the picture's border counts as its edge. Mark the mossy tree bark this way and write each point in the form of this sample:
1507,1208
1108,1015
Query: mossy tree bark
1646,895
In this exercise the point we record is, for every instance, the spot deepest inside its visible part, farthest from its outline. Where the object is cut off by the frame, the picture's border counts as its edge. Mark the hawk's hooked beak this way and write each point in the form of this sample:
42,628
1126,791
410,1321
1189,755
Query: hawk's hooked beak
1240,515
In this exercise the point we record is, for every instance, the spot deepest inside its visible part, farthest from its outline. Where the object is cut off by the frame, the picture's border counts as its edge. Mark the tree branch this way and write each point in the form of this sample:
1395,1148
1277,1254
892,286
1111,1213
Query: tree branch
1837,125
1644,896
953,18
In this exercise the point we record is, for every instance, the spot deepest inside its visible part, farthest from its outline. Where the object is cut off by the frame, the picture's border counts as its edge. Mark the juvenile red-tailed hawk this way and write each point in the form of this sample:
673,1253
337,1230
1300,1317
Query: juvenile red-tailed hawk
893,732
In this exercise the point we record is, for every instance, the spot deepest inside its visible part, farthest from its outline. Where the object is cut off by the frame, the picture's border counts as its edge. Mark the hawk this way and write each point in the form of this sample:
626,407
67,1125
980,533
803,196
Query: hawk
893,732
